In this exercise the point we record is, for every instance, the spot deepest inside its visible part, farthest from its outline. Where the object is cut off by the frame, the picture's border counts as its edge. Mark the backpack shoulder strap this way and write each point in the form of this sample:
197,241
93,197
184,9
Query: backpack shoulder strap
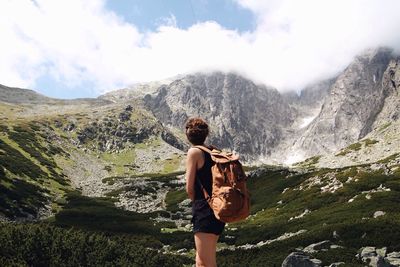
217,155
204,148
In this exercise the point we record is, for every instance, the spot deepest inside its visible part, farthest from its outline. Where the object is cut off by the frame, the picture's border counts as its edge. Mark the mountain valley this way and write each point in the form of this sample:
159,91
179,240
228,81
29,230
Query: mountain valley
323,167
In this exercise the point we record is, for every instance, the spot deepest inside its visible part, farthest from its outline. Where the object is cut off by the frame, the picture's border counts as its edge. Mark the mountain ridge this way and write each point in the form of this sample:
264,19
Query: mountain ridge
257,121
110,172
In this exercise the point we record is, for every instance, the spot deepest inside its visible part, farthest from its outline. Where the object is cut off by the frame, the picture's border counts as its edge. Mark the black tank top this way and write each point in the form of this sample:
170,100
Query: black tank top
203,175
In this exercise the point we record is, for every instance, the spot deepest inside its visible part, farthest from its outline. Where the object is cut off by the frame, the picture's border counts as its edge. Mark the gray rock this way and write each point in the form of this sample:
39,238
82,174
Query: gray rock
393,258
69,127
335,246
181,251
367,252
335,235
300,259
381,251
169,138
336,264
243,116
379,213
317,246
376,257
348,113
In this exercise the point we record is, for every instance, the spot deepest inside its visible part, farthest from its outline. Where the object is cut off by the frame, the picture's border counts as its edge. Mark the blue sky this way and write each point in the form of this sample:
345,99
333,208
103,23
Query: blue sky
147,15
75,48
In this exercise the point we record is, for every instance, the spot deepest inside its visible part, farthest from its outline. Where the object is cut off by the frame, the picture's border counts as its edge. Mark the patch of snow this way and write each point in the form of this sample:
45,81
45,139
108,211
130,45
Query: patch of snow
306,121
294,157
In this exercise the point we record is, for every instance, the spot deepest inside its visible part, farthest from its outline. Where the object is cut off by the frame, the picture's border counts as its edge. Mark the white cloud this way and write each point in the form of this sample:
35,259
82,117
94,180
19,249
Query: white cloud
294,43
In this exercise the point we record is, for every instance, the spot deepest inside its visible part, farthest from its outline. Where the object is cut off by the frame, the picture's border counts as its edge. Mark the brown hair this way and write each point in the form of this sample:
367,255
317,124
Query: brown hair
196,131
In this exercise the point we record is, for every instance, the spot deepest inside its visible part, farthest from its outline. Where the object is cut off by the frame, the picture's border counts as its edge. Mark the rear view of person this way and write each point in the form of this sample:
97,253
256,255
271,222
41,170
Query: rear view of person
206,227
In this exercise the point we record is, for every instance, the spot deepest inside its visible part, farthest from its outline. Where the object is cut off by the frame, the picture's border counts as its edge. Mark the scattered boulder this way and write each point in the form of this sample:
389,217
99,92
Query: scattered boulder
306,211
58,123
379,213
128,108
302,256
367,252
69,127
377,257
335,235
393,258
323,245
124,116
300,259
381,251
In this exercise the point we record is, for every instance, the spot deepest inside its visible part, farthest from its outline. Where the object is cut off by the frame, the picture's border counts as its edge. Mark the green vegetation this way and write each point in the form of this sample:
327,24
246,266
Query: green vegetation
357,146
122,163
19,198
354,147
93,232
172,164
384,126
349,149
160,176
174,197
168,180
32,142
329,212
45,245
308,163
370,142
100,214
390,158
29,177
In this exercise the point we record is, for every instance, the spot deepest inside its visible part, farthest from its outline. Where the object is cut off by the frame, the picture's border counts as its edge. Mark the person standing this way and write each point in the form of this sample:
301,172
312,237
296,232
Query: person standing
206,227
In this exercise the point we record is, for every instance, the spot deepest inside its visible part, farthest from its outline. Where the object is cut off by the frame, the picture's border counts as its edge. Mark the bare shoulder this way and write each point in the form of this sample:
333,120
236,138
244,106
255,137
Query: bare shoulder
194,152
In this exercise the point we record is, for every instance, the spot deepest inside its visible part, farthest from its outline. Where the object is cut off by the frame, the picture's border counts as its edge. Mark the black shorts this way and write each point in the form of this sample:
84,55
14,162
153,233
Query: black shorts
204,220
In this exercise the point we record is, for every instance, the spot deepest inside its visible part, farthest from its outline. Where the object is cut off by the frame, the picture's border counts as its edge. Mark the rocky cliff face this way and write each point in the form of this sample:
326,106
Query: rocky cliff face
256,121
135,91
349,111
391,82
261,123
384,139
312,95
243,116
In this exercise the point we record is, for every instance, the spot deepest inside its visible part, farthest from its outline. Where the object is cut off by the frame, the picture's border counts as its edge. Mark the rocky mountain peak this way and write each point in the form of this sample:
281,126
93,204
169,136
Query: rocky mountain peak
349,111
243,116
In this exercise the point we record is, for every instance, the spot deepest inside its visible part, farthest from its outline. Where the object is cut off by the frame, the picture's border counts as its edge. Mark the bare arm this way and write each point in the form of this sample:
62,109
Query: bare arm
193,157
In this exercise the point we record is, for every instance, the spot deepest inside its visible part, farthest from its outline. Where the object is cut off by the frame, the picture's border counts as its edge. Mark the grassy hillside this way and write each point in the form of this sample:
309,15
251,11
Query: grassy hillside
30,180
47,172
347,211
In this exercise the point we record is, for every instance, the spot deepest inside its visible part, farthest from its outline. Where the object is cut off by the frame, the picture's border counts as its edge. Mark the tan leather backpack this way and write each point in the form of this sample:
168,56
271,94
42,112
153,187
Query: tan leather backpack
230,200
